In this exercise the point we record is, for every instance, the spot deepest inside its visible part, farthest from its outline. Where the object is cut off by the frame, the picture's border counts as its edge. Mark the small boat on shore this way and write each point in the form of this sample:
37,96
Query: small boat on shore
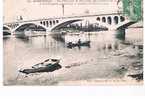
48,65
47,62
78,44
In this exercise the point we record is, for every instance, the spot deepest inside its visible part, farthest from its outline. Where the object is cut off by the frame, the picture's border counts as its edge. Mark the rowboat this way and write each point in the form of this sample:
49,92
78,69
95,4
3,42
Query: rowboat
47,62
48,65
78,44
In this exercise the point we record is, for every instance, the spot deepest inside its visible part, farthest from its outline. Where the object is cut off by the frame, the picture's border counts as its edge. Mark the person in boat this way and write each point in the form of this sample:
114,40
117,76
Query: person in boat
79,41
69,43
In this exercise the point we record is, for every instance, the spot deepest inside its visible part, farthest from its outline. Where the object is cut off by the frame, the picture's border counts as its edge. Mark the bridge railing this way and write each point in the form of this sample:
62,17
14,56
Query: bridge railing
64,17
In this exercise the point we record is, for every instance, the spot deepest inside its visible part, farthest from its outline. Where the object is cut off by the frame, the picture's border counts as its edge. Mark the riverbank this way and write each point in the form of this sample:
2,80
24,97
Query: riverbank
111,69
88,66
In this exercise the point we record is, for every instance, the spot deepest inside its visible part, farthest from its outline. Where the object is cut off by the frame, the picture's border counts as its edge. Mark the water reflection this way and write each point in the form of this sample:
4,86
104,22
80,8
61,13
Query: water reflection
55,40
25,51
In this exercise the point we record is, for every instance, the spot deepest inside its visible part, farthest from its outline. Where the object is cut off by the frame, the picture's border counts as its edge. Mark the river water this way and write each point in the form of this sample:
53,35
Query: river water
93,61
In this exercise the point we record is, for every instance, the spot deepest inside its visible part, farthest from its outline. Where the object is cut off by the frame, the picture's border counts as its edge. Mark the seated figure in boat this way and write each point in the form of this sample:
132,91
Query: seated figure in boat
79,41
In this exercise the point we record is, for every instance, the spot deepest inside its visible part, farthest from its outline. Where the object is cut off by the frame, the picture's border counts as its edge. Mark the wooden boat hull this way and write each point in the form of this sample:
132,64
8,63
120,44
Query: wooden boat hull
41,69
71,45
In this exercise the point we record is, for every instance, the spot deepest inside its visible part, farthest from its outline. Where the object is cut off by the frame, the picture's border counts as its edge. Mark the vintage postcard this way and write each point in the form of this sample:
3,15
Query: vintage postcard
73,42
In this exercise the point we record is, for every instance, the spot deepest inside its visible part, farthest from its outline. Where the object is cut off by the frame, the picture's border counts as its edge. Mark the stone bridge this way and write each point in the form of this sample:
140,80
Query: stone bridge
112,21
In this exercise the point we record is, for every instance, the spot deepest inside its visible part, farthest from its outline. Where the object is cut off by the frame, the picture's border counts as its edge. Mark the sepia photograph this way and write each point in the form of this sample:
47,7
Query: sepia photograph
72,42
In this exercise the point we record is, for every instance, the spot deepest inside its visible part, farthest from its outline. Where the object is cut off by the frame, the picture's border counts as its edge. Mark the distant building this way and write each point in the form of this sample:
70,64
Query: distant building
19,18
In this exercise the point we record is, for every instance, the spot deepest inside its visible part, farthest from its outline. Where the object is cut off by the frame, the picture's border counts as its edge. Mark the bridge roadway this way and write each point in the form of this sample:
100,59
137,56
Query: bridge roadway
64,17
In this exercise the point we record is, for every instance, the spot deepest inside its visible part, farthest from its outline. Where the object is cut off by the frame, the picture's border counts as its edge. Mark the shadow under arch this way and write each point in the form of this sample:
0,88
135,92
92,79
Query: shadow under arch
35,26
6,30
62,24
116,20
109,20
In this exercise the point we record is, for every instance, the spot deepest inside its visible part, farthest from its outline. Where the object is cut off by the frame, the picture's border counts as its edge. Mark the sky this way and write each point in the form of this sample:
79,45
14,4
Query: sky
30,10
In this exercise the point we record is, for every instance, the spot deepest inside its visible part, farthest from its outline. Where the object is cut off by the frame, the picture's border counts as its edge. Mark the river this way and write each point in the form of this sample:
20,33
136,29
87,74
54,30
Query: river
93,61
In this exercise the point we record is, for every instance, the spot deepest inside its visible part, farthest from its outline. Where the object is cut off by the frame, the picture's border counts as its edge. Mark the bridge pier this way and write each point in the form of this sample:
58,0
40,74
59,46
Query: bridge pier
47,31
120,34
112,39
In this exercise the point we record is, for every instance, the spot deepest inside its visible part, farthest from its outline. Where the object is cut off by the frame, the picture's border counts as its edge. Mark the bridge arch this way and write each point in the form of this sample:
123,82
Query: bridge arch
103,19
6,30
47,23
122,18
44,23
64,23
50,22
98,19
124,24
57,21
53,22
116,19
109,20
30,23
5,27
